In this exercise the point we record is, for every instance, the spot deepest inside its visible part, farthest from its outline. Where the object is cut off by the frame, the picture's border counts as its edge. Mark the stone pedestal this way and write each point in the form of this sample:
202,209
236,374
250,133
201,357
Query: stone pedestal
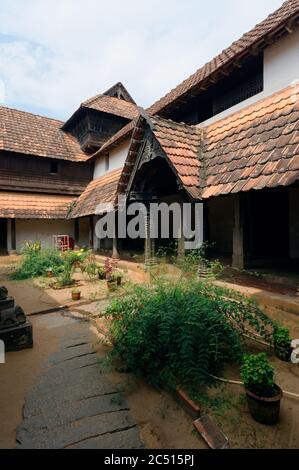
15,328
17,337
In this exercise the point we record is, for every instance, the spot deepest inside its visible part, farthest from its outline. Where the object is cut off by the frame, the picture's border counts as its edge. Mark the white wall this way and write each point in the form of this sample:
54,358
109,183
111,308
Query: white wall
117,158
41,230
281,68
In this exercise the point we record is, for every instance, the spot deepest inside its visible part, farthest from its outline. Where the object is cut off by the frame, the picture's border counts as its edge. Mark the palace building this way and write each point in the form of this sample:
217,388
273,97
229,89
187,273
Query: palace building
228,137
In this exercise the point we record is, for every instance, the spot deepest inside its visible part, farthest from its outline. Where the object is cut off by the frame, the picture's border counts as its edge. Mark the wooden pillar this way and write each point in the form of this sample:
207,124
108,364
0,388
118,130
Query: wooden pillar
13,235
181,240
91,235
149,246
238,233
76,232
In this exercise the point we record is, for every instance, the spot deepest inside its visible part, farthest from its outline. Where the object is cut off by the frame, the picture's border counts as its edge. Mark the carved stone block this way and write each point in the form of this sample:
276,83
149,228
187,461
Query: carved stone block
17,337
6,303
11,317
3,292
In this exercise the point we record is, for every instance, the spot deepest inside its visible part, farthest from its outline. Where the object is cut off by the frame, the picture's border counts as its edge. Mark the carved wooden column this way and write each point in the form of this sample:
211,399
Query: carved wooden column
238,233
149,244
181,239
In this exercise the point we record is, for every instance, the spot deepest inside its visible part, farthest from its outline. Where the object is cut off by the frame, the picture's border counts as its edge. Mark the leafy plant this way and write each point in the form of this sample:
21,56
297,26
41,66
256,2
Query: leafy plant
281,337
91,269
258,375
110,267
76,291
101,271
172,333
36,261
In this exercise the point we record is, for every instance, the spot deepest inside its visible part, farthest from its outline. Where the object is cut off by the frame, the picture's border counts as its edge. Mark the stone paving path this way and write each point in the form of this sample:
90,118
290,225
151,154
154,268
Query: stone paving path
74,404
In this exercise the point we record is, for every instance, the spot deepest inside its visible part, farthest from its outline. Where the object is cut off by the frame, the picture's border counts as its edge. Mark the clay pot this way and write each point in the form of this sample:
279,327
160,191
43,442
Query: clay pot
76,295
264,410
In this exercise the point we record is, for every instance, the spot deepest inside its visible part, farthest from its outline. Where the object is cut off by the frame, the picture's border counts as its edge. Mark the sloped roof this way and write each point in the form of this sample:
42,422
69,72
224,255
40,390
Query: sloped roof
279,22
34,205
181,144
122,105
254,148
27,133
100,190
112,105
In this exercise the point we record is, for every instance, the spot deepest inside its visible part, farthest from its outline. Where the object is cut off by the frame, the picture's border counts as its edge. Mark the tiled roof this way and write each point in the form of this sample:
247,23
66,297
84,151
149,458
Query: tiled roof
254,38
254,148
181,144
100,190
34,206
112,105
28,133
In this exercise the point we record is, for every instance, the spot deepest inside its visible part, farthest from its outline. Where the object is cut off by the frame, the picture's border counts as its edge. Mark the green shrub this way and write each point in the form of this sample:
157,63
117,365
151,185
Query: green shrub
172,333
281,337
258,375
35,262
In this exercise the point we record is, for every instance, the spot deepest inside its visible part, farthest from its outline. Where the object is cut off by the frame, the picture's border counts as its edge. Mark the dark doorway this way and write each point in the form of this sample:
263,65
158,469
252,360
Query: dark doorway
3,236
268,224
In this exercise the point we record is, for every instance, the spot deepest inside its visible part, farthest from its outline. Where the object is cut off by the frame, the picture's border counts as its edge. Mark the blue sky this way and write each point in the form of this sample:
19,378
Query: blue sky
56,53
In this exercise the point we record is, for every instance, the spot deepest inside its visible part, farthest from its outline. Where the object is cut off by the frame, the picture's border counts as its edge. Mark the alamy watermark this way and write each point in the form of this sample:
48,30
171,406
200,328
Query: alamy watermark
154,220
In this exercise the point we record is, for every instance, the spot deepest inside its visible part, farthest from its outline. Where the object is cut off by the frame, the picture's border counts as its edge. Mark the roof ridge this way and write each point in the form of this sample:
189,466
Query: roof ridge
286,9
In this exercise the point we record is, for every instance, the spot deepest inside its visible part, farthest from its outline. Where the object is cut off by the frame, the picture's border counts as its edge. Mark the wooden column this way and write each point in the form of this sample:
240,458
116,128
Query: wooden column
238,233
181,240
91,235
149,245
76,232
13,235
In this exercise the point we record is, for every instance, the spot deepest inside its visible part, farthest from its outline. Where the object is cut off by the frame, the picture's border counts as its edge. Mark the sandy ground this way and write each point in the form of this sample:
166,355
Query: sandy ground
18,375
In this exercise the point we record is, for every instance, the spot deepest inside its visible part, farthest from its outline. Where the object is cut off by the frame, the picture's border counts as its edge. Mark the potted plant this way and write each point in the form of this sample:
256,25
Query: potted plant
263,395
282,343
76,294
101,272
111,282
49,272
109,267
118,276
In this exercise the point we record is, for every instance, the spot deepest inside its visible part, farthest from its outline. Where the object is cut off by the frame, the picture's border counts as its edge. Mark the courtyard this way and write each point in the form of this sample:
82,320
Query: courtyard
66,392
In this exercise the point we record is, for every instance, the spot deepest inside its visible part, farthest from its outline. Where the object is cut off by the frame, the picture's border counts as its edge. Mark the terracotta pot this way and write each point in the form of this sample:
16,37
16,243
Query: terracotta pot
76,295
264,410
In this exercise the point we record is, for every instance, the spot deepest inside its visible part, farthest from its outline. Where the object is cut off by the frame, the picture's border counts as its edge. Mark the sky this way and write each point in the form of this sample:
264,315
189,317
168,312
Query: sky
54,54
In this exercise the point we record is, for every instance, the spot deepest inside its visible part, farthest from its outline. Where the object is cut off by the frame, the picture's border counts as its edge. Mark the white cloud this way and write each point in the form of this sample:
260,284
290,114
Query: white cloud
60,52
